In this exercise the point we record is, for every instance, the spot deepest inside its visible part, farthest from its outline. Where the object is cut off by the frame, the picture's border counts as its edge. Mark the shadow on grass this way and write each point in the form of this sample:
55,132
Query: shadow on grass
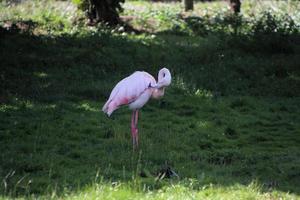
54,138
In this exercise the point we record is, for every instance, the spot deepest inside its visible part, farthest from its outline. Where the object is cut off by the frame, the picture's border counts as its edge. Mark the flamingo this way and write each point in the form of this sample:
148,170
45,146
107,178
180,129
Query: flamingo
135,91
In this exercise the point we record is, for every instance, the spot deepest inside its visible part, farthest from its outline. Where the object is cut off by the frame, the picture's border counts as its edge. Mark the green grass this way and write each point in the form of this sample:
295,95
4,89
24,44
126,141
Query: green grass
228,125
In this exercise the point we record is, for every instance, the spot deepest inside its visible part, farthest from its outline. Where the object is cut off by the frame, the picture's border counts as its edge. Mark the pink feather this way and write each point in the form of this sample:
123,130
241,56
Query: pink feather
133,90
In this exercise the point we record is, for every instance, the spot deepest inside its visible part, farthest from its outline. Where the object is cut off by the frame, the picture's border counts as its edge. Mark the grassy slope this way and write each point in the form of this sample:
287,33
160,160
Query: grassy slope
211,128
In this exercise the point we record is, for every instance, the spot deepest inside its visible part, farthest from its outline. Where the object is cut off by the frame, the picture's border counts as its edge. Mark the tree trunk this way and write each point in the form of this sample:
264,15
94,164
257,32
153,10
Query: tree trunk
103,11
188,5
235,6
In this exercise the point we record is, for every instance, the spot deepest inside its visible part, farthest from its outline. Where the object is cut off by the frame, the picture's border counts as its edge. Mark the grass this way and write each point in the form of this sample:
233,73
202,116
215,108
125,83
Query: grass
228,125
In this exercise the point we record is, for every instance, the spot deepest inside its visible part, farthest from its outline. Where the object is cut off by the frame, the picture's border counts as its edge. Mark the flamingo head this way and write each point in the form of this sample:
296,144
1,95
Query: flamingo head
164,78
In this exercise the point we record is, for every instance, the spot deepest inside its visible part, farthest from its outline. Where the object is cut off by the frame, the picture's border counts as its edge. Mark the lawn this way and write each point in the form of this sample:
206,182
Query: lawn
228,125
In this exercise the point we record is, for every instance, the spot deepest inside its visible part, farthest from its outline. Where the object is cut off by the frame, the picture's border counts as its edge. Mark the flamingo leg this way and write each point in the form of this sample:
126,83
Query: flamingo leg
133,128
136,129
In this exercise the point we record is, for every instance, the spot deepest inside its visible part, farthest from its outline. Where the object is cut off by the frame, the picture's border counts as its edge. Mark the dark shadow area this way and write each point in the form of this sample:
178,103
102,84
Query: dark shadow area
260,65
54,137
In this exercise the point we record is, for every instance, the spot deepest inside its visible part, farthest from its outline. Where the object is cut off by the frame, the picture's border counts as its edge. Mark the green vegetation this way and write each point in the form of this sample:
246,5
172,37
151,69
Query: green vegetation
228,125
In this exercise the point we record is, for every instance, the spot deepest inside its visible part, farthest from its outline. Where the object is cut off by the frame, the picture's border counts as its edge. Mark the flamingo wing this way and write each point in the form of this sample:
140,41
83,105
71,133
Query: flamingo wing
128,90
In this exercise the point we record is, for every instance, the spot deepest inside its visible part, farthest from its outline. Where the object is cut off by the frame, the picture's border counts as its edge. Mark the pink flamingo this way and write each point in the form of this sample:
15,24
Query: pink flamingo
135,91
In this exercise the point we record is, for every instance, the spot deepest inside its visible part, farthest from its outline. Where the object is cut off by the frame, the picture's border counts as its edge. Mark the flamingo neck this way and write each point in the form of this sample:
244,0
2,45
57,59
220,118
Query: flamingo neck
157,93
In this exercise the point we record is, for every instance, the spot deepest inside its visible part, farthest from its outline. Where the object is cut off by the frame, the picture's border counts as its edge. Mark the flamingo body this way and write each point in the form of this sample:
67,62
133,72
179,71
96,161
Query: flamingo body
135,91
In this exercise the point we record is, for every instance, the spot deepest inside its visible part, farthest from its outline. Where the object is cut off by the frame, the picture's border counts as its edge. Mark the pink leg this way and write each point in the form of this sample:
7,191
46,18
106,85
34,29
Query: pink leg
136,129
133,128
136,117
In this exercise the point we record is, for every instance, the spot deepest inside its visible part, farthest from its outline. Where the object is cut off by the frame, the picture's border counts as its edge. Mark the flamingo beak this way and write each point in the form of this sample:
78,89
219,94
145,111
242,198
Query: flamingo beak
152,86
156,86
